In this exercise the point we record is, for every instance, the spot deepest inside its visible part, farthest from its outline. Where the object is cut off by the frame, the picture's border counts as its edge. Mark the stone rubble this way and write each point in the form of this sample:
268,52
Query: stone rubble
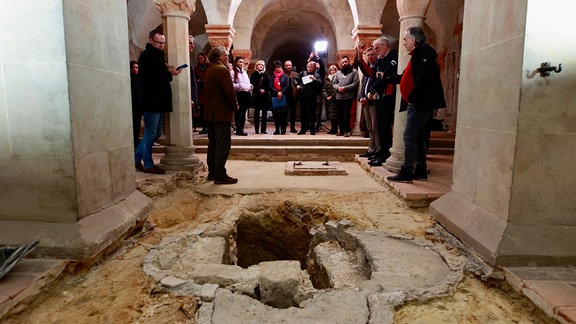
364,275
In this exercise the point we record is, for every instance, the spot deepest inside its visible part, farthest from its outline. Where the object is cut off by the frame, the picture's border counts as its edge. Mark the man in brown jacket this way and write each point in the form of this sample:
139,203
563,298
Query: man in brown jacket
219,112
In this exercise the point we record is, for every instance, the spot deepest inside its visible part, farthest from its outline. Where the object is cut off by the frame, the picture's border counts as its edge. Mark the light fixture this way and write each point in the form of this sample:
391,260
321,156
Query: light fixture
321,47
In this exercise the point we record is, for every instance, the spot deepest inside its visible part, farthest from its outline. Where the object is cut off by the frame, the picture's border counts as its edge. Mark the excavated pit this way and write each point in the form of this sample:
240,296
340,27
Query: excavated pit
284,238
271,241
286,255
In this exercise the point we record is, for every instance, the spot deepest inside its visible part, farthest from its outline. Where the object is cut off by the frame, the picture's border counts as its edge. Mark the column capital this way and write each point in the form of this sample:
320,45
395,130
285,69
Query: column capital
220,35
412,8
363,35
183,8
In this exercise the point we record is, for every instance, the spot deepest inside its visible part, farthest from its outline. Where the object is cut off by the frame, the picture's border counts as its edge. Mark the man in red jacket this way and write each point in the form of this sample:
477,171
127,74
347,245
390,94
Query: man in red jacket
219,111
422,92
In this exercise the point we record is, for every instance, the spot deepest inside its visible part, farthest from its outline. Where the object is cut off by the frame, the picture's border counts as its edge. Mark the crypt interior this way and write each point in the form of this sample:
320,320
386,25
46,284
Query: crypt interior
65,124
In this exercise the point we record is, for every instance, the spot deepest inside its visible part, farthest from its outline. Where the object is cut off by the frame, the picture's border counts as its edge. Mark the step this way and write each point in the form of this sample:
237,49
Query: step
305,140
285,153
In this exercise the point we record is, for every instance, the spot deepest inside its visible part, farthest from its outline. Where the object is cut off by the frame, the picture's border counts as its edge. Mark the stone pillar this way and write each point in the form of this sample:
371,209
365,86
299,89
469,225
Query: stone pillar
67,156
512,197
363,35
179,153
220,35
412,13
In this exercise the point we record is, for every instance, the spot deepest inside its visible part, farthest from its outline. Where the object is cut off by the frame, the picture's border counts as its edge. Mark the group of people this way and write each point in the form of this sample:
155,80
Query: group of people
223,92
421,94
281,91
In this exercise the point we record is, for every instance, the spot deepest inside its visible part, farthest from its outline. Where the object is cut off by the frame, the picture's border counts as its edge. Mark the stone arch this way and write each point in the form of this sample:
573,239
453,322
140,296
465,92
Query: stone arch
276,30
390,21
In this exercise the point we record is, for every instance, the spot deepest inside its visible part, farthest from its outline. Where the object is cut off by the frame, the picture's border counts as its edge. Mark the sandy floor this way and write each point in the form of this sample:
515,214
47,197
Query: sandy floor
118,291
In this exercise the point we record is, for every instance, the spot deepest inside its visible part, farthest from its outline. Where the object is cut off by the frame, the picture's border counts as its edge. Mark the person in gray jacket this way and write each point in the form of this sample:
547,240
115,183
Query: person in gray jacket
346,84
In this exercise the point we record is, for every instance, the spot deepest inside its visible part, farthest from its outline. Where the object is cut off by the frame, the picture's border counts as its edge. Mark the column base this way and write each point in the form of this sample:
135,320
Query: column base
180,158
81,240
394,162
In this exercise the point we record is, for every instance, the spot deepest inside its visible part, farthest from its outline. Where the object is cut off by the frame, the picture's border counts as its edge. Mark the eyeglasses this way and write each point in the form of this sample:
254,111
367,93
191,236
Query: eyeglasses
157,42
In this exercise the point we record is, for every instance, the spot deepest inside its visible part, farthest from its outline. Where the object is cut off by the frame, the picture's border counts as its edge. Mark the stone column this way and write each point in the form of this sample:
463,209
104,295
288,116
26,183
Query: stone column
67,156
363,35
412,13
220,35
179,153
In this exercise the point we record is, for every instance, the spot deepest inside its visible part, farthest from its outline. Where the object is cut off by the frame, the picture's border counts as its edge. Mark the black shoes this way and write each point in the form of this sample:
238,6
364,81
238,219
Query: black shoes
402,176
367,154
421,172
139,167
293,130
154,169
227,180
203,131
241,133
332,132
302,132
276,133
376,162
312,133
210,177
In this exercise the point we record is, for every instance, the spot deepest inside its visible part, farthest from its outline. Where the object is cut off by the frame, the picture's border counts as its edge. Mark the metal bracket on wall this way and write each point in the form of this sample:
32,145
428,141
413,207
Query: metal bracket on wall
545,69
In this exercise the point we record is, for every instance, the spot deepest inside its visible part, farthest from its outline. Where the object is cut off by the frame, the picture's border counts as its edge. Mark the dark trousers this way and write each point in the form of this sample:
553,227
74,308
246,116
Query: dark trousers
307,114
257,109
240,114
280,114
219,143
136,126
292,110
385,117
319,105
344,108
414,137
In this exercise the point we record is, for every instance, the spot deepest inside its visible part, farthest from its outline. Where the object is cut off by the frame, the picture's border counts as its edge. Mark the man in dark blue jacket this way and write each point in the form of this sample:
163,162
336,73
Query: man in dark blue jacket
422,92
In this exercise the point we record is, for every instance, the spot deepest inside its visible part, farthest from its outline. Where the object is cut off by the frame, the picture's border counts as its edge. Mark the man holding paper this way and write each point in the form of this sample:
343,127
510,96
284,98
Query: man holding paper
309,86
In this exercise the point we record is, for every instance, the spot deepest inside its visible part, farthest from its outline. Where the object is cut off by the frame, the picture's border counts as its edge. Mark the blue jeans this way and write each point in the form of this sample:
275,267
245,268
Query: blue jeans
152,132
414,139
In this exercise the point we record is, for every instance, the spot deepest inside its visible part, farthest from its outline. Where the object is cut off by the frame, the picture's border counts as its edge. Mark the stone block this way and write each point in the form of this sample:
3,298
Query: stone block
279,283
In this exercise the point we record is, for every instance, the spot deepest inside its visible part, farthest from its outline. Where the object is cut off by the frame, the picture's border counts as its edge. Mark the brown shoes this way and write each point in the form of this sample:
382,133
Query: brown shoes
227,180
154,169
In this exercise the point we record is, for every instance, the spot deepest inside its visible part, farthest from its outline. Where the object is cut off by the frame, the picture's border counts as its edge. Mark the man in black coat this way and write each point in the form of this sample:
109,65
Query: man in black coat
422,92
309,86
157,96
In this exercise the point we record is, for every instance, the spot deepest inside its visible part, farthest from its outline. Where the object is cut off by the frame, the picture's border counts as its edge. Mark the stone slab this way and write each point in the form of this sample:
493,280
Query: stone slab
314,168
